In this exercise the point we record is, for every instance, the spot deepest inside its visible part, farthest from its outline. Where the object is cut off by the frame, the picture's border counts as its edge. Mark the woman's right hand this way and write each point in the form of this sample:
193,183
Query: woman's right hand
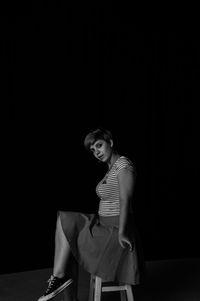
125,242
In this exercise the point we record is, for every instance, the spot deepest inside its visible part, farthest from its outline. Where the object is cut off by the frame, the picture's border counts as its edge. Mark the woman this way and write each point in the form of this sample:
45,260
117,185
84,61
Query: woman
105,244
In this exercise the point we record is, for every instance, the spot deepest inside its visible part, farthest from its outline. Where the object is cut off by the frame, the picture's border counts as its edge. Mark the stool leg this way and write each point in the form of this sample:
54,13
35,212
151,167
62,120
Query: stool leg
129,293
91,289
97,289
123,295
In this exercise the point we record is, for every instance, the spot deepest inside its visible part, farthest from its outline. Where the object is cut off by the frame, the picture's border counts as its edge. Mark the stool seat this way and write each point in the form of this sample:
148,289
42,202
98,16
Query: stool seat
97,287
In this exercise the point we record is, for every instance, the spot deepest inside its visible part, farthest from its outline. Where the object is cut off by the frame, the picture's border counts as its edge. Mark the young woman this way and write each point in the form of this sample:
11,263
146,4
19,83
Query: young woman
105,244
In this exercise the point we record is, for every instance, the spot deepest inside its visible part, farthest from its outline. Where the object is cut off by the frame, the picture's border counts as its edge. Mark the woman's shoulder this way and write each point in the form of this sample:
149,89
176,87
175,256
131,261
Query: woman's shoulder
124,162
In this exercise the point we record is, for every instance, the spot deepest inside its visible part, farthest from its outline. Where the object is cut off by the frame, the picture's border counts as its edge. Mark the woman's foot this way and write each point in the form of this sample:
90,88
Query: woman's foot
55,286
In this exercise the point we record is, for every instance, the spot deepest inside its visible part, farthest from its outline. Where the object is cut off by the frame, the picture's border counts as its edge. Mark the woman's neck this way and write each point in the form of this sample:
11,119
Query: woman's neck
113,159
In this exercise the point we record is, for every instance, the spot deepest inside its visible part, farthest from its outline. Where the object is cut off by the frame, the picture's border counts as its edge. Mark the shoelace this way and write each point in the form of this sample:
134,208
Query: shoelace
51,282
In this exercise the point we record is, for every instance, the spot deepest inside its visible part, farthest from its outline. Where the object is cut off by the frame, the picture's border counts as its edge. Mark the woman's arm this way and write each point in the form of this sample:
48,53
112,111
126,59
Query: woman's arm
126,185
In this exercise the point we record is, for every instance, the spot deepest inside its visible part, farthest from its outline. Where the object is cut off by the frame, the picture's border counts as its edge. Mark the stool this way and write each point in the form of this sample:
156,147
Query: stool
96,288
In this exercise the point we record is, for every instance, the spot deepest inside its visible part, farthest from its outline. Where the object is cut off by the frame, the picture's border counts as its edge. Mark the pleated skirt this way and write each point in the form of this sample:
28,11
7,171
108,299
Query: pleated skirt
93,240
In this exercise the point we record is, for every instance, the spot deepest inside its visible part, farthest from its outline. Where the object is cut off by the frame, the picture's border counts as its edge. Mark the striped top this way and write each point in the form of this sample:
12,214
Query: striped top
108,188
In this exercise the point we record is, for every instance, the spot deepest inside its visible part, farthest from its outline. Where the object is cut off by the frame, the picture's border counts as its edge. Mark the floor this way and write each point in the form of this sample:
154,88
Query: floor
167,280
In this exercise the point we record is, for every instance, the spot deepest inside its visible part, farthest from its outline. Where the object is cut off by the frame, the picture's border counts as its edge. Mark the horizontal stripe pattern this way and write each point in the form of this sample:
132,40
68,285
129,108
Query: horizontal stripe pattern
108,188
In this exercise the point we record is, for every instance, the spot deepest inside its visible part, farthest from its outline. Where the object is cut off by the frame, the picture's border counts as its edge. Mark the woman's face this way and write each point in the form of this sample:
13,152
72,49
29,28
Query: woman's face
102,150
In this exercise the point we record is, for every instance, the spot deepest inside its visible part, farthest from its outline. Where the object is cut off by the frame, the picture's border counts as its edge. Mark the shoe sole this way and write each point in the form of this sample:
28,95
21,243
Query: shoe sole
56,292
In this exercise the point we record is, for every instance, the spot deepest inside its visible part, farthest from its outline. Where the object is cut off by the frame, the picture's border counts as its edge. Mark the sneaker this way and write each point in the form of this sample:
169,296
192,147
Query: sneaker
55,286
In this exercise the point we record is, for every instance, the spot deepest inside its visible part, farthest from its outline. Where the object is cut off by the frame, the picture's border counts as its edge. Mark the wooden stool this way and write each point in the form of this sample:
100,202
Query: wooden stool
96,288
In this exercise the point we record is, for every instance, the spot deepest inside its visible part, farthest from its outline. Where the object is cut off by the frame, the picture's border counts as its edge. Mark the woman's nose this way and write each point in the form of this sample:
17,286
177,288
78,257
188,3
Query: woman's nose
97,152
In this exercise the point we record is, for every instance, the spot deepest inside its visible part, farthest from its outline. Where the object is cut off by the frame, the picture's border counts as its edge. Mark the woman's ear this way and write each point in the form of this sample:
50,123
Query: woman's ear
111,142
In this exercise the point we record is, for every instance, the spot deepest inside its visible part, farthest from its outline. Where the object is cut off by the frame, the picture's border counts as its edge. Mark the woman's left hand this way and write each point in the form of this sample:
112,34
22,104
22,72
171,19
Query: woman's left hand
124,241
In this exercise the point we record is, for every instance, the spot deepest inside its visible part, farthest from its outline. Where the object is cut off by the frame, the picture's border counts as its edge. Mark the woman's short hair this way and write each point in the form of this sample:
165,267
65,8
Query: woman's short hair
94,135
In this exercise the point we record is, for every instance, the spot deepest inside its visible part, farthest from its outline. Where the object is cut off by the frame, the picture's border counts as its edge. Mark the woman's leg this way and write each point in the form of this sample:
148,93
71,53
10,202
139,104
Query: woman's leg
63,259
62,251
71,292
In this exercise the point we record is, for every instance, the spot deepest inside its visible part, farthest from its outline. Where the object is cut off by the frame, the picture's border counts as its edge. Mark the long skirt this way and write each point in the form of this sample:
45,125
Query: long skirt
94,243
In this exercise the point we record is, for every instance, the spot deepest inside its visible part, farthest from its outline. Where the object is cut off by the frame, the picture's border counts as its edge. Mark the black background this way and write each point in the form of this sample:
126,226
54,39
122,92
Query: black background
70,69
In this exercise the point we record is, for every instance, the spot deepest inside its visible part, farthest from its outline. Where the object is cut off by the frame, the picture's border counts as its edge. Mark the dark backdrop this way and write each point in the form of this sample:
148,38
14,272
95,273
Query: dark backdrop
70,71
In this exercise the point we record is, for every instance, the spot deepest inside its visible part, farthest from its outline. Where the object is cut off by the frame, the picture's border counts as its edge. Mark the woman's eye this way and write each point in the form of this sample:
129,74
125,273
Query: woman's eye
99,145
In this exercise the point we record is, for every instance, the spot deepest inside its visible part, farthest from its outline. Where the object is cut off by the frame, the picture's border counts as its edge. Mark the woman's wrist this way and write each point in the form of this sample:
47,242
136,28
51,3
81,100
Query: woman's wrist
121,232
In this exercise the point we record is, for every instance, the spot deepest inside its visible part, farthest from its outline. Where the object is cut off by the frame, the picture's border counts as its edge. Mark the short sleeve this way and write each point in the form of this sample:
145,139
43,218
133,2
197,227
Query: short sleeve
122,163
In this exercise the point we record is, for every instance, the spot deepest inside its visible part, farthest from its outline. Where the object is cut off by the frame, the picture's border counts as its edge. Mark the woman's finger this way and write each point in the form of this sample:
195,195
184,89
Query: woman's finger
130,245
126,243
122,244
